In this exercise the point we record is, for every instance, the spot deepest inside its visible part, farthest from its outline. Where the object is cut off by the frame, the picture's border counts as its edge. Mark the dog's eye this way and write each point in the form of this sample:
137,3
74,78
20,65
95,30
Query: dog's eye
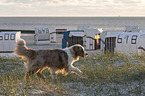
82,50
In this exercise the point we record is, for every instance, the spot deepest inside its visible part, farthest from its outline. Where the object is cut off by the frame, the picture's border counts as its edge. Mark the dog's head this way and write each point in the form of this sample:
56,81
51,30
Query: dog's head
78,51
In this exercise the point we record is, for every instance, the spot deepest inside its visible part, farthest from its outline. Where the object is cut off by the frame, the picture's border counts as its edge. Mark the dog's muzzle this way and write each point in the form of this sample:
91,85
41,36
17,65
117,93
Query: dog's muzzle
85,54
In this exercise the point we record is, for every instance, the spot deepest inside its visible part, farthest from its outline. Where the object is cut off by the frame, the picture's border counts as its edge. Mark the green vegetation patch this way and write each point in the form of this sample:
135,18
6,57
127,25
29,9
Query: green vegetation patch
103,74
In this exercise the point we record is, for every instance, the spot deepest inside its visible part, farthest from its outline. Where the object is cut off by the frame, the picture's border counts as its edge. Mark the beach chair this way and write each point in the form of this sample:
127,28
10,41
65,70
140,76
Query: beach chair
8,41
72,37
44,35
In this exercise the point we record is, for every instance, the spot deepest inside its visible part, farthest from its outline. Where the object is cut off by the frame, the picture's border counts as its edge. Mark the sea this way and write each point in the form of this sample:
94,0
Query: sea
69,23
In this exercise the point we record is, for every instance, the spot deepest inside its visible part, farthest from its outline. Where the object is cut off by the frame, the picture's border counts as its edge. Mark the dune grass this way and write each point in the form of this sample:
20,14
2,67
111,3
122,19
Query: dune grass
103,74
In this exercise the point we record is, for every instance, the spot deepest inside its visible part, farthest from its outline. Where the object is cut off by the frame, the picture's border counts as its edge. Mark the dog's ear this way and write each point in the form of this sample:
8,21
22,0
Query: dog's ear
78,50
77,47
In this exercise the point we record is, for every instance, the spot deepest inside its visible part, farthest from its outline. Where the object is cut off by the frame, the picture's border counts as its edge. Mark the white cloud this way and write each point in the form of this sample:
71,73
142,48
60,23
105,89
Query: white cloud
55,2
72,7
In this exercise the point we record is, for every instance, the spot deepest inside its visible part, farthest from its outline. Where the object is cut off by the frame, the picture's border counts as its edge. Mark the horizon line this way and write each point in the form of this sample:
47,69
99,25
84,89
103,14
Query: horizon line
72,16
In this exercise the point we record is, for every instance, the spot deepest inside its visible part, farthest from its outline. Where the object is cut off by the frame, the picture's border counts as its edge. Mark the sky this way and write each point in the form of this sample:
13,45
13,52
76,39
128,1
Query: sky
72,8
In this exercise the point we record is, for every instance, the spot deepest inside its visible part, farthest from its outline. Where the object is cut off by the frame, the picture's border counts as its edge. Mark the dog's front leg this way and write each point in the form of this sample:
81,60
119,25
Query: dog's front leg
52,73
74,69
78,72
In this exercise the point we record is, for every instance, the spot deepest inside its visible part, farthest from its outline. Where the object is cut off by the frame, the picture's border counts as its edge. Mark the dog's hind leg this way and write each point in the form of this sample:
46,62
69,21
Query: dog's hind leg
39,74
30,72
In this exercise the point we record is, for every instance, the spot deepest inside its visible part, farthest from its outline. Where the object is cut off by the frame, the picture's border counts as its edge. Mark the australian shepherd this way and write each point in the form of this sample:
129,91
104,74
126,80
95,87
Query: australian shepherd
54,59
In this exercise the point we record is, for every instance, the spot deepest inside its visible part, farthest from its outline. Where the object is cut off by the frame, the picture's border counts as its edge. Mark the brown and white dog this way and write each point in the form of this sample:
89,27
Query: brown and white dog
54,59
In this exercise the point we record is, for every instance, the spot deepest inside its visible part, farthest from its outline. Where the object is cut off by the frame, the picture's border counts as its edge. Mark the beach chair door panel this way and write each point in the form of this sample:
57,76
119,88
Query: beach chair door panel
110,44
75,40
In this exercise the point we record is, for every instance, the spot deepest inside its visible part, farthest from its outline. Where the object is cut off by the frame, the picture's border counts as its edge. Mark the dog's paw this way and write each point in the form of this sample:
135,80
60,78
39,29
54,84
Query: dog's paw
81,72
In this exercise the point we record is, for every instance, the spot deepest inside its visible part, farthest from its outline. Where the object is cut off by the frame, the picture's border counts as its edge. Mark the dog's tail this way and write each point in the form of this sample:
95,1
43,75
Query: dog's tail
21,49
141,48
